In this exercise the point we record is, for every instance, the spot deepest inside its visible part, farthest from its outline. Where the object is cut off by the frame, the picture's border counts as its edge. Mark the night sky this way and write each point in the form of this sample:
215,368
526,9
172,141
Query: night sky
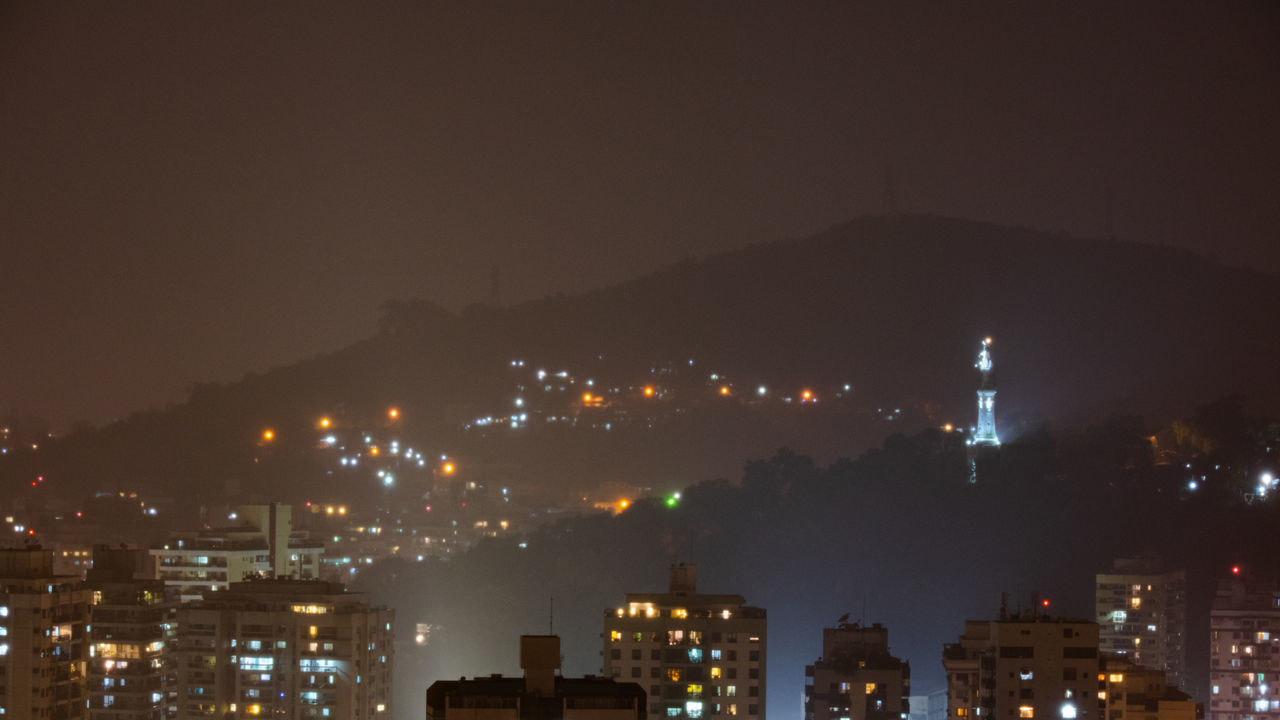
190,191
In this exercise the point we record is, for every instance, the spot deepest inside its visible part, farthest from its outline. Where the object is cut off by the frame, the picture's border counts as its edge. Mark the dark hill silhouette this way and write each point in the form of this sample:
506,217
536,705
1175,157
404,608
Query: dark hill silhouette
894,306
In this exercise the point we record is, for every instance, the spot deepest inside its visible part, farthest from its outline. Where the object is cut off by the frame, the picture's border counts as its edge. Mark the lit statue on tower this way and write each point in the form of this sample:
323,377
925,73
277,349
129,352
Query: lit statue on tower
985,431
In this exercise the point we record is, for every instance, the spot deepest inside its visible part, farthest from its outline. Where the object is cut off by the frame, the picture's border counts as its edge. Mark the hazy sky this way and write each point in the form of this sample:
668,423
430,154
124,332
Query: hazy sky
189,191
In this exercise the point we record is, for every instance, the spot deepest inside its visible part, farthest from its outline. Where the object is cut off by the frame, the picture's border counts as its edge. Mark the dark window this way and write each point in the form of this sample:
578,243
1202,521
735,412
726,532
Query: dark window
655,672
753,673
635,672
753,709
1026,693
753,691
715,637
733,673
1018,651
754,656
635,654
616,654
1079,652
1068,673
655,655
733,656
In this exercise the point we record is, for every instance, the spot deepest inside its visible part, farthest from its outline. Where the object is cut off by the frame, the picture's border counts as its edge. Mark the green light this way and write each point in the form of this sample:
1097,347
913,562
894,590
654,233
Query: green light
671,502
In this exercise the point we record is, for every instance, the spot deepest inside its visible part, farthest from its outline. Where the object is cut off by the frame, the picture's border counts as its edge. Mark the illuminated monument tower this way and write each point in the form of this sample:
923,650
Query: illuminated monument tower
984,438
985,432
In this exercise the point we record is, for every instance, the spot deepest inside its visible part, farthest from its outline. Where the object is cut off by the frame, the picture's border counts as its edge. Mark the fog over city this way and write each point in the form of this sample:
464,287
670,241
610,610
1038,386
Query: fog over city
833,361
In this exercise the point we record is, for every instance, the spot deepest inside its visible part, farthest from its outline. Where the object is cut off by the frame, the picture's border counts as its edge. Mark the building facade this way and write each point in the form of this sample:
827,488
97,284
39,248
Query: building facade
133,633
1133,692
857,678
263,545
44,620
1022,667
287,649
1142,615
540,695
696,655
1244,649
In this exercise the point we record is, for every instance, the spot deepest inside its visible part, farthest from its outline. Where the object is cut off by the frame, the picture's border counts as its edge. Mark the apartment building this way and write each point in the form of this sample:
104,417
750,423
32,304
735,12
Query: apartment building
284,648
696,655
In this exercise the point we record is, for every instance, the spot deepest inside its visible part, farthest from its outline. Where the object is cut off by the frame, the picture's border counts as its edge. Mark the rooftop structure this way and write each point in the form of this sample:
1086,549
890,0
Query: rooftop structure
856,678
542,694
264,545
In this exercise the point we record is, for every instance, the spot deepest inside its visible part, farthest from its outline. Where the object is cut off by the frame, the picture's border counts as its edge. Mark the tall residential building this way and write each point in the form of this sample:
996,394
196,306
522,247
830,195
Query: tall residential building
284,649
134,628
1023,666
700,656
1142,614
857,678
1244,647
263,545
43,626
541,694
1132,692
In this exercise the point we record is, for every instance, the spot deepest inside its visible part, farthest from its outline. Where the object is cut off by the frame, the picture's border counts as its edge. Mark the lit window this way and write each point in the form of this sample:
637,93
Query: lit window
615,636
1068,711
870,688
673,674
1115,678
715,673
1026,711
1135,603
